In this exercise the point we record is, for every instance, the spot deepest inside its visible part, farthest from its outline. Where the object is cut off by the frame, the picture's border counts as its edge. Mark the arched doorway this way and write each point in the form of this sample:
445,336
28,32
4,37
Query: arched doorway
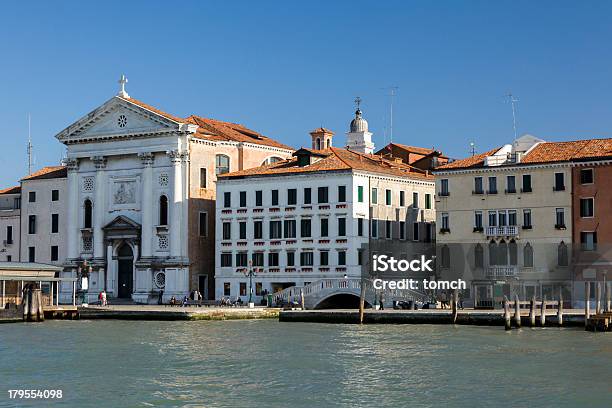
125,260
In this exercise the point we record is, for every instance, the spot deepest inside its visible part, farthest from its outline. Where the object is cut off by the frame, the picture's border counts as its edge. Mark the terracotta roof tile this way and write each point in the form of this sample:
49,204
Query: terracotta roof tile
212,129
11,190
334,159
469,162
547,152
49,172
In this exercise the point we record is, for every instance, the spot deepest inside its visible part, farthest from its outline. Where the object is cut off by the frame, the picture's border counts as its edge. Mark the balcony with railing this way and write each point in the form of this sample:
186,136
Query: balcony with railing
502,271
503,231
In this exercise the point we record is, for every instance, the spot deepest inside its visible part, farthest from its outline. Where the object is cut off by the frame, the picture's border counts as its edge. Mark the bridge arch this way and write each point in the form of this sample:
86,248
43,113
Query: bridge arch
340,300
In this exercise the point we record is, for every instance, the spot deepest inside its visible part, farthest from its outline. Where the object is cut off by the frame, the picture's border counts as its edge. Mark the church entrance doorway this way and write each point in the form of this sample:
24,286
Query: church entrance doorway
125,258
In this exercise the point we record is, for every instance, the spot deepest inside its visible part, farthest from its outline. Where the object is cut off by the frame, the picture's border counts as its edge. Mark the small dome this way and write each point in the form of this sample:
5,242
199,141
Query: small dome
359,124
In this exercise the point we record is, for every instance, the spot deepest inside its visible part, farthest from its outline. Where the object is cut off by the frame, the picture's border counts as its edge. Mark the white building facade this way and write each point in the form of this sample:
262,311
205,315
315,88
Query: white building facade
138,182
307,218
10,226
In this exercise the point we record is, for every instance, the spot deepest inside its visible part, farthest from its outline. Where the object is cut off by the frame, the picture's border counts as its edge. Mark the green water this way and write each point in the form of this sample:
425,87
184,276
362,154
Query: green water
272,364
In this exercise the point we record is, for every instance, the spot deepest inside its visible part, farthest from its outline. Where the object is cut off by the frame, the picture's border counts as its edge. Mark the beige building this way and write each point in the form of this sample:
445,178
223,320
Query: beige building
505,223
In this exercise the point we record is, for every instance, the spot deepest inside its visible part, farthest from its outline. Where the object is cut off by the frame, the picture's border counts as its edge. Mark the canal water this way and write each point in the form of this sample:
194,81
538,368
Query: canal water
271,364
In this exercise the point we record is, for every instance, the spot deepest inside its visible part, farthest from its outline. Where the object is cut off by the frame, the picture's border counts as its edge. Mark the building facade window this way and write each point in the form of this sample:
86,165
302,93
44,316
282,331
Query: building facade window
87,214
222,164
360,227
305,228
242,230
559,182
226,260
374,228
203,224
478,221
323,195
258,198
227,288
275,230
444,187
258,259
54,195
388,229
163,210
324,227
227,199
54,253
562,254
402,230
428,201
9,234
374,198
324,258
292,196
360,194
202,177
478,187
341,258
32,197
227,231
306,258
307,195
31,254
586,176
32,224
54,223
402,198
341,194
243,289
341,227
243,199
492,185
274,197
388,196
528,256
587,207
290,258
415,200
415,231
478,256
273,259
258,229
242,259
588,240
527,219
510,184
527,187
445,223
559,218
290,229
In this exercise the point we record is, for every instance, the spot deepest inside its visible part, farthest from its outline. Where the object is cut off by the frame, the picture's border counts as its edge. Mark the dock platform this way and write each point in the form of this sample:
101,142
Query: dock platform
154,312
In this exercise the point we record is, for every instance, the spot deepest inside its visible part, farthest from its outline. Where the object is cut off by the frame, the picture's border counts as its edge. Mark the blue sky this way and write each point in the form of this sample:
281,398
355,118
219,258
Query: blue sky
285,68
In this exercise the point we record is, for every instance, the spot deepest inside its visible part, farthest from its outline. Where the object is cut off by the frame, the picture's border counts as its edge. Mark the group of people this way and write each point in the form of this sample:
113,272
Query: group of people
195,296
445,299
102,298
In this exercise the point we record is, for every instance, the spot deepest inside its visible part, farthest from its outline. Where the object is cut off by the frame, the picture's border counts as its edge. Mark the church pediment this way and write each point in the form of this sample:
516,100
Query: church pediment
121,222
119,118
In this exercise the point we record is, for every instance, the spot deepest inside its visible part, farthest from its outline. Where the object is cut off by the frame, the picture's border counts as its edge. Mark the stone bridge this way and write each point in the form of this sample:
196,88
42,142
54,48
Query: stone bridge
342,293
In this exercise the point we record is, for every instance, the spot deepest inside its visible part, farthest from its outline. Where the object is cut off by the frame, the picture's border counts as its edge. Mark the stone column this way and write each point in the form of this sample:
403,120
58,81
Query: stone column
73,204
110,284
98,216
147,203
177,201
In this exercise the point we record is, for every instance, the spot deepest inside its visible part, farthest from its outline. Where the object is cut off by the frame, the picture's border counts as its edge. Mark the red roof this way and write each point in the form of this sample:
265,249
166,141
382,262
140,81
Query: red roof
546,152
11,190
212,129
333,159
49,172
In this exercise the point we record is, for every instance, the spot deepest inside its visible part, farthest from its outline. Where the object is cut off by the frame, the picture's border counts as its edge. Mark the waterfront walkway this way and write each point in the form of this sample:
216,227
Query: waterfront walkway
155,312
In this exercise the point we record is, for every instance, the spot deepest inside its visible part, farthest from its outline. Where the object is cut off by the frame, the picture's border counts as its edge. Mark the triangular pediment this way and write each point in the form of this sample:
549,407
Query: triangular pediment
119,118
122,222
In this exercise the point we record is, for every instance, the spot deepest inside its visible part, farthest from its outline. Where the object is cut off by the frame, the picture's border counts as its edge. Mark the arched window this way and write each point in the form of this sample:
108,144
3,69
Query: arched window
445,256
492,253
328,143
513,253
478,256
271,160
502,253
222,164
318,144
528,256
562,254
163,210
87,214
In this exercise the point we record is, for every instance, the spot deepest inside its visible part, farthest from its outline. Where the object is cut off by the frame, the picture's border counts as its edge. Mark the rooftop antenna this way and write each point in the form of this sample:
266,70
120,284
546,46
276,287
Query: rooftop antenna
392,92
513,100
473,148
29,146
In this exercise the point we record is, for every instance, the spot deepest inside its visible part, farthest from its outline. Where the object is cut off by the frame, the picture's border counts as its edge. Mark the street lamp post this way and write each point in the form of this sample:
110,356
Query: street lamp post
84,271
250,273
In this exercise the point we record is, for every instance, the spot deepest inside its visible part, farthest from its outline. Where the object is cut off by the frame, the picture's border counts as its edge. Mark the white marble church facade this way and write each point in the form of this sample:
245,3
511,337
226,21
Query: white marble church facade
135,197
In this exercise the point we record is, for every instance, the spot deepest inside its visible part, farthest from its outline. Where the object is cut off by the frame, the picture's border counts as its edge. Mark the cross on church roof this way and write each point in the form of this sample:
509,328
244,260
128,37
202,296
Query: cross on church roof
122,81
358,102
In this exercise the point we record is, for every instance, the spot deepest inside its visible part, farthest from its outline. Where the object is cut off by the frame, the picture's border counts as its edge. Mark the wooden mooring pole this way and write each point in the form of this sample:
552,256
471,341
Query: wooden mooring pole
560,309
532,313
598,298
543,312
302,298
587,303
455,301
362,301
608,300
507,322
517,311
